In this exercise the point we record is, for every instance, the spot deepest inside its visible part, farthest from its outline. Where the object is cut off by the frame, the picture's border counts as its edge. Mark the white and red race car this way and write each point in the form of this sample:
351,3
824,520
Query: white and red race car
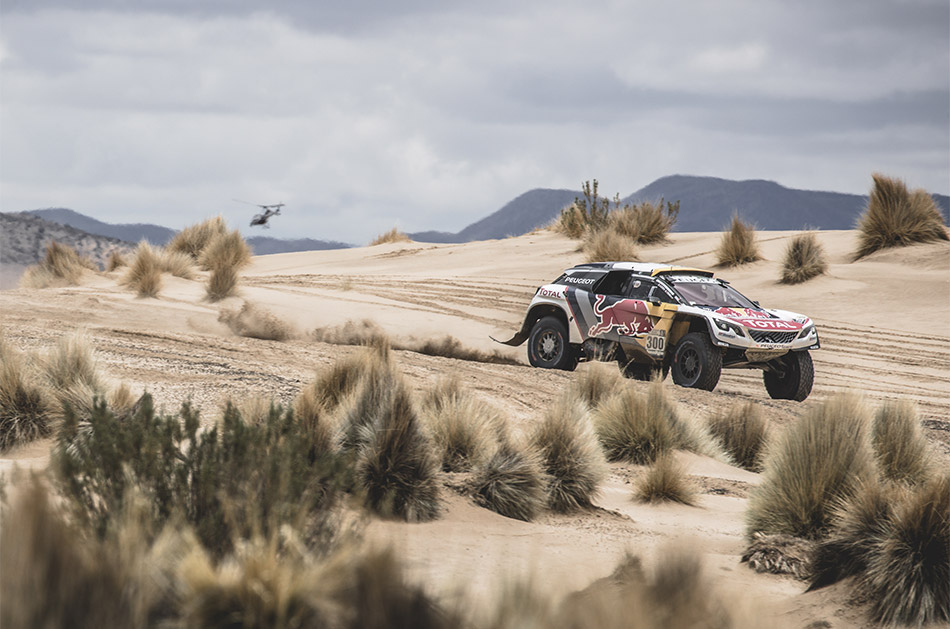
655,318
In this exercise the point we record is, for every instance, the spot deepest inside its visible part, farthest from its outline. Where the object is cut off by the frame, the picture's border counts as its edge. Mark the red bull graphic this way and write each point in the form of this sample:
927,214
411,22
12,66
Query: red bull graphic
627,316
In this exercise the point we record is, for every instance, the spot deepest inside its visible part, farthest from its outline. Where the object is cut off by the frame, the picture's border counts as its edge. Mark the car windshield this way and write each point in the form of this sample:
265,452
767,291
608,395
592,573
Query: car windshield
707,293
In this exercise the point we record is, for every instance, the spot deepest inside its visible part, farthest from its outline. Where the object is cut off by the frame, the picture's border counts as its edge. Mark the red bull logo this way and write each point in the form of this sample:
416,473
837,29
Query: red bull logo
628,316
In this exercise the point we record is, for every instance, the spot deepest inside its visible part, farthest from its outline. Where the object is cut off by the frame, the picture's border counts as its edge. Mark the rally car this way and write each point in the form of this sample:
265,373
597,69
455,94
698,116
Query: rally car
655,318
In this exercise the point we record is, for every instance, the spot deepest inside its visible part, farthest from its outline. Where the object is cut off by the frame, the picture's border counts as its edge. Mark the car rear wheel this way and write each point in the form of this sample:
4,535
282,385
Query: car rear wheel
793,377
697,363
549,346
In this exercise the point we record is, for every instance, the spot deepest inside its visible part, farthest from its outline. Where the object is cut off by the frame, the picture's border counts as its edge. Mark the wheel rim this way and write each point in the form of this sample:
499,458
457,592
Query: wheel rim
549,345
689,363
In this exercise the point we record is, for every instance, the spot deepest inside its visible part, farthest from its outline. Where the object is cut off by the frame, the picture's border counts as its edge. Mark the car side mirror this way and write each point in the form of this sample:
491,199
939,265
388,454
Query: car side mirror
655,302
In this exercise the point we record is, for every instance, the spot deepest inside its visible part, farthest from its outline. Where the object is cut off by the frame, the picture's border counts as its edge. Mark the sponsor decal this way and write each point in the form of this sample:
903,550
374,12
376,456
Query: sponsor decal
628,316
553,294
742,313
581,281
770,324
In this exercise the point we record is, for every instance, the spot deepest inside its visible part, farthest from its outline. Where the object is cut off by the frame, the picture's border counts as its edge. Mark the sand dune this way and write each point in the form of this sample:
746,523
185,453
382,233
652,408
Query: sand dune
882,321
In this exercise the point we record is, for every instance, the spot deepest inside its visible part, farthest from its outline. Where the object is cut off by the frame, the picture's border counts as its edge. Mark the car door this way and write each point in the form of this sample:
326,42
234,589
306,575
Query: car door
618,307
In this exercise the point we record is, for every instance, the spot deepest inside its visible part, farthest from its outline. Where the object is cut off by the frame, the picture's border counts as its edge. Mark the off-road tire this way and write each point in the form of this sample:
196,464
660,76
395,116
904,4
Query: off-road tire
697,363
798,379
640,371
549,346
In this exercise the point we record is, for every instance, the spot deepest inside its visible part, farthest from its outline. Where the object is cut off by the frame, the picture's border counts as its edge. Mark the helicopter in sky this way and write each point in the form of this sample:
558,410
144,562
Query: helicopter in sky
262,218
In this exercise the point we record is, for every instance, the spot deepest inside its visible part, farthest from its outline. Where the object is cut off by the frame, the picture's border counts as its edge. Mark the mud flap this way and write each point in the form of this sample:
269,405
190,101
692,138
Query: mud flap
516,340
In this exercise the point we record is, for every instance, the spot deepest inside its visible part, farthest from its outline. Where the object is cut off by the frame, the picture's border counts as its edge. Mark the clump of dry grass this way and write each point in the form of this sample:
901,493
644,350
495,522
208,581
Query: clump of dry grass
666,481
897,218
393,235
818,461
222,283
116,261
144,275
512,482
571,222
597,383
605,245
570,454
225,250
25,405
178,264
193,239
738,245
72,374
901,448
645,223
804,259
61,266
461,426
584,215
743,432
780,554
251,321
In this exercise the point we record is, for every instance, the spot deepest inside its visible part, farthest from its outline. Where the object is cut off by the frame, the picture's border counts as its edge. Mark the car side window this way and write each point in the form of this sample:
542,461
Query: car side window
614,283
638,288
659,293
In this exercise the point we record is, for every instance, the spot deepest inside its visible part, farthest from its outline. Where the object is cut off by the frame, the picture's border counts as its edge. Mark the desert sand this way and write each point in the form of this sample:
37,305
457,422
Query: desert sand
882,323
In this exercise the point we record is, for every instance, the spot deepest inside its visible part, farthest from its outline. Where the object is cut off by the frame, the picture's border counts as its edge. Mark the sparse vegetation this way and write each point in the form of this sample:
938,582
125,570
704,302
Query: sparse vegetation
178,264
604,245
222,283
896,217
743,432
61,266
901,448
570,454
584,215
116,261
225,250
144,275
780,554
25,405
645,223
251,321
817,462
512,483
462,427
666,481
392,236
804,259
738,245
192,240
597,383
72,375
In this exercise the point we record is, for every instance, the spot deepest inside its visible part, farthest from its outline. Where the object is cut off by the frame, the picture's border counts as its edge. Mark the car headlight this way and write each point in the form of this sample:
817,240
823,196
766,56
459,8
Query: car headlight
728,326
806,331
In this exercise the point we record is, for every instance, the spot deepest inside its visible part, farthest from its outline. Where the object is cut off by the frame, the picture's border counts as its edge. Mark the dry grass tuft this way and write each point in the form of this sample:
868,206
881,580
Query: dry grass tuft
666,481
817,462
897,218
570,454
804,259
462,427
192,240
597,383
178,264
899,443
25,406
144,275
644,223
738,245
608,246
61,266
572,222
116,261
393,235
512,483
222,283
225,250
780,554
71,370
743,432
253,322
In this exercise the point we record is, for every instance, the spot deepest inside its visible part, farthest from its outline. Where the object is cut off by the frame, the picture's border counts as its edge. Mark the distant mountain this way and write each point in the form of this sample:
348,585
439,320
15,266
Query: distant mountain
158,235
706,204
134,232
519,216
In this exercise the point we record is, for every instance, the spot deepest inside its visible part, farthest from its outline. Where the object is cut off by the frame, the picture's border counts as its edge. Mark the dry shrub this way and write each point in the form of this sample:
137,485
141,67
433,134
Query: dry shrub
666,481
225,250
61,266
462,427
222,283
512,482
570,454
192,240
897,218
804,259
743,433
780,554
144,275
251,321
597,383
608,246
116,261
393,235
72,374
396,466
645,223
178,264
817,462
334,384
899,443
738,245
572,222
254,409
25,405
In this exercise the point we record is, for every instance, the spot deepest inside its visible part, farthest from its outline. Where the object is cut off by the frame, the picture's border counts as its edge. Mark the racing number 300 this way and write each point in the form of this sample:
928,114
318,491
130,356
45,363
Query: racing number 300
656,343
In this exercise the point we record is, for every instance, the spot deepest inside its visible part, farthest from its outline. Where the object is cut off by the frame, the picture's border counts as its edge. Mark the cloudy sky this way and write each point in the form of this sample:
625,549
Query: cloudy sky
430,114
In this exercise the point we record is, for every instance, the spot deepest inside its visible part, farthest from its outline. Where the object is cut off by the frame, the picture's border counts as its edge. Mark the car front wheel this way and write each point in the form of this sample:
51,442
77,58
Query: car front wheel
793,377
549,346
697,363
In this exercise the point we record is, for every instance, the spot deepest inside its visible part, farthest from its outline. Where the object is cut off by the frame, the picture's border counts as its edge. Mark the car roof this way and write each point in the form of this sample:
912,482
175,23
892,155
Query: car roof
645,268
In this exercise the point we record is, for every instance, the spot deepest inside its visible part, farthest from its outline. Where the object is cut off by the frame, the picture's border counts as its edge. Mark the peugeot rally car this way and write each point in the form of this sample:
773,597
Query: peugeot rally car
653,319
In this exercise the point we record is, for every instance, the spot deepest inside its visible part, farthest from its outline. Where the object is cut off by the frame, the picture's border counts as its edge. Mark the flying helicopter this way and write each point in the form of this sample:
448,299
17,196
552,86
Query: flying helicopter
262,218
